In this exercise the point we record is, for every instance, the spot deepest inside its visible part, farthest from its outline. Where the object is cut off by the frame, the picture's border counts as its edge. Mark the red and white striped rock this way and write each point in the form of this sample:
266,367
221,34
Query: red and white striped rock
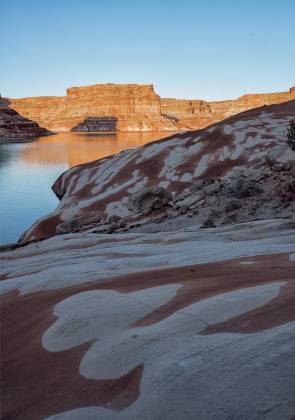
148,326
103,187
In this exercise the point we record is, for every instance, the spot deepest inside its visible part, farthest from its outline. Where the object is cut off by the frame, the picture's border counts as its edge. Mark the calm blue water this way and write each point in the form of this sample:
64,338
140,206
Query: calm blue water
25,191
28,170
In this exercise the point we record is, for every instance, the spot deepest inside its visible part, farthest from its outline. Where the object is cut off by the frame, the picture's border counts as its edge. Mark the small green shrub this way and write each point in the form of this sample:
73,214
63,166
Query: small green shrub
291,135
233,204
241,187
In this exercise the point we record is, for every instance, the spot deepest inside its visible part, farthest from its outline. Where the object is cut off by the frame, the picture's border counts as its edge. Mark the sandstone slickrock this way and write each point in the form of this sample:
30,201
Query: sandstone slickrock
148,199
151,326
14,127
77,224
135,108
207,161
162,325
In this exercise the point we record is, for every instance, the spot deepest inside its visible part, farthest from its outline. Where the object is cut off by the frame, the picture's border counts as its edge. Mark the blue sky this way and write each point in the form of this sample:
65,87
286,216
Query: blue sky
186,48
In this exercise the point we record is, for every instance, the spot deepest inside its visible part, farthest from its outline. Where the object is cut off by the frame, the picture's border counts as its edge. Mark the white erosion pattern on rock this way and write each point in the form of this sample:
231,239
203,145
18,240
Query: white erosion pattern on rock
208,377
39,266
206,313
174,163
120,306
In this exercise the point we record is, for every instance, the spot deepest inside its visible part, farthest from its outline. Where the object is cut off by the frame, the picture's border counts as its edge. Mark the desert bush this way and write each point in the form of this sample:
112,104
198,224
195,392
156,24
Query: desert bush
242,187
291,135
209,222
233,204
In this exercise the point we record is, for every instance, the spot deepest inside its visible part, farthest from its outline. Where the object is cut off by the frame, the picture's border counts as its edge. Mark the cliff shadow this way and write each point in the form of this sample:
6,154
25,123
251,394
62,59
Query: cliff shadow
97,124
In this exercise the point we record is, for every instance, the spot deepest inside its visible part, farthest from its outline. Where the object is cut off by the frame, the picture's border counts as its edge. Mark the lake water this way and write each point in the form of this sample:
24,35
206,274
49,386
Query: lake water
28,170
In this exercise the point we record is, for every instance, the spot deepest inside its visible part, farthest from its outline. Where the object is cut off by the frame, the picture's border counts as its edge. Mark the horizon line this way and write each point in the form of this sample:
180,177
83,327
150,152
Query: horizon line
155,90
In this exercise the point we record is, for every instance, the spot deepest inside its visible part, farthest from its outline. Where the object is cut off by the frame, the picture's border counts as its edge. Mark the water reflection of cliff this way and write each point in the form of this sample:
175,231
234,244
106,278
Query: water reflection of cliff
74,149
6,155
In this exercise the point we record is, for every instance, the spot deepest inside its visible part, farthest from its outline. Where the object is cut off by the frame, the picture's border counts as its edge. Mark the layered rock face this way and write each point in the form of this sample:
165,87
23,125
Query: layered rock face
199,114
136,108
190,113
227,151
15,127
96,124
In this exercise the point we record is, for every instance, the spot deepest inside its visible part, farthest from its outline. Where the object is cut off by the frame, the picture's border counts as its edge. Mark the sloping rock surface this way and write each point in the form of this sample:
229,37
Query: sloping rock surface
194,324
235,148
190,323
136,108
16,127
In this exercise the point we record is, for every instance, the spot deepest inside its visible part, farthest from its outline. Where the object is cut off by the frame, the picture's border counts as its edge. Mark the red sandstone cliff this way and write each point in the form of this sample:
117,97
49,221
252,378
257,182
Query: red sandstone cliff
14,127
199,114
133,108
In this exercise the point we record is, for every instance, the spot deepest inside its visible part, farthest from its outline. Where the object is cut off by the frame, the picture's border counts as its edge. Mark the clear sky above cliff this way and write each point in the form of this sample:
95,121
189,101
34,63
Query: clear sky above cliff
187,49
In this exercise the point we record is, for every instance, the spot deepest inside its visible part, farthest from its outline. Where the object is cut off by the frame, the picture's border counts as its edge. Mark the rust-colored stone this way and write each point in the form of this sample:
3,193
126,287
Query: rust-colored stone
14,127
135,108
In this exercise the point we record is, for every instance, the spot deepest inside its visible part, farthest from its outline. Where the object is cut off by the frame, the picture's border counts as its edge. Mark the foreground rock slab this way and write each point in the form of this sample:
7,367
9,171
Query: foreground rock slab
197,323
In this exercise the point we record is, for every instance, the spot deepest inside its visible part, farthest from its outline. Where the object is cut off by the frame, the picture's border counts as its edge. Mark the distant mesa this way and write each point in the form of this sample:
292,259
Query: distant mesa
135,108
97,124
